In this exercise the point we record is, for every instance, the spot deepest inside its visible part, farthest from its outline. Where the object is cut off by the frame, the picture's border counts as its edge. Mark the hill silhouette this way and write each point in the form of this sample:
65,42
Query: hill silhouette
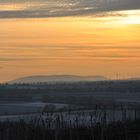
57,78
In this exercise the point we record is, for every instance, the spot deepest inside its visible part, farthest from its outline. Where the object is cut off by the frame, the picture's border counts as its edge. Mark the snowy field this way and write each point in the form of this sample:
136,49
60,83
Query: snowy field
29,111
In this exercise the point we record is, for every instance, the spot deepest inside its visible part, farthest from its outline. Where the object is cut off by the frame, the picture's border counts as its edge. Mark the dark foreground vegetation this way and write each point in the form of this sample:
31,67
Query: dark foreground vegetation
128,130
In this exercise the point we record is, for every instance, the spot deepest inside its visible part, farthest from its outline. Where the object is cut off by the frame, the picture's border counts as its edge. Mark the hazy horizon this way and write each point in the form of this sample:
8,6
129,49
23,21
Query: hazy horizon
57,76
76,37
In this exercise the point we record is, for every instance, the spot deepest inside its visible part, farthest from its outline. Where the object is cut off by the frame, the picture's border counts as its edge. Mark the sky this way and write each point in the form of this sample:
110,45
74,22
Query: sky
78,37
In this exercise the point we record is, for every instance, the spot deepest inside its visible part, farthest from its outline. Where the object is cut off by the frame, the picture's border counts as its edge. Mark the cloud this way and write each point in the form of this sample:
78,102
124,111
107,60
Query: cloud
62,8
14,59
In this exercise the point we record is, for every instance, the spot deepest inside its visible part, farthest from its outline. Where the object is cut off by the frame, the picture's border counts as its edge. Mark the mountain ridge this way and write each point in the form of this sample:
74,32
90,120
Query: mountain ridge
57,78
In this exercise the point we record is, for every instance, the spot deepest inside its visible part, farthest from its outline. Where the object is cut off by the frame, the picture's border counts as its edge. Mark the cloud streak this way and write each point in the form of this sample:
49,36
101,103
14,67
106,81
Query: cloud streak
63,8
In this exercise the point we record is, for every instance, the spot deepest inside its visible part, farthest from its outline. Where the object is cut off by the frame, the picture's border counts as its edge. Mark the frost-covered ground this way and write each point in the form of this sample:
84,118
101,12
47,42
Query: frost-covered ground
29,111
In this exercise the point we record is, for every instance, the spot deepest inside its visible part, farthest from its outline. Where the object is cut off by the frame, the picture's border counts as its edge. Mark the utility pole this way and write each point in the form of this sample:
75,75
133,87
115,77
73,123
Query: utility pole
117,76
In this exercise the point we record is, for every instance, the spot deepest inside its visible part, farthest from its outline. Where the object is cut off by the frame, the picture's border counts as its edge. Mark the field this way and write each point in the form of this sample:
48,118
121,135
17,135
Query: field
95,110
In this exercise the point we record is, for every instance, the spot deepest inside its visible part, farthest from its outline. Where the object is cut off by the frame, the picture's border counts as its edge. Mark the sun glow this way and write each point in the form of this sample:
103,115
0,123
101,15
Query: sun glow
116,18
130,17
131,20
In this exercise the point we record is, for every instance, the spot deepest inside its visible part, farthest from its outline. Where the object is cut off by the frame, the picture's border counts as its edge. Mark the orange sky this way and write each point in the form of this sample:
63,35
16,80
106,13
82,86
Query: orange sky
72,45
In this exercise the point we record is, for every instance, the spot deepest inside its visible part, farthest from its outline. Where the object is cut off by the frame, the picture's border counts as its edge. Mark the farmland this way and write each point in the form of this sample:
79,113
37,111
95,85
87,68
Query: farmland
71,107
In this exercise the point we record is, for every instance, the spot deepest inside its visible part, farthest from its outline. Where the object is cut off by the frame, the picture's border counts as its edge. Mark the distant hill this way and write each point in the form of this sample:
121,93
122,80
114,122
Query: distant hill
57,78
